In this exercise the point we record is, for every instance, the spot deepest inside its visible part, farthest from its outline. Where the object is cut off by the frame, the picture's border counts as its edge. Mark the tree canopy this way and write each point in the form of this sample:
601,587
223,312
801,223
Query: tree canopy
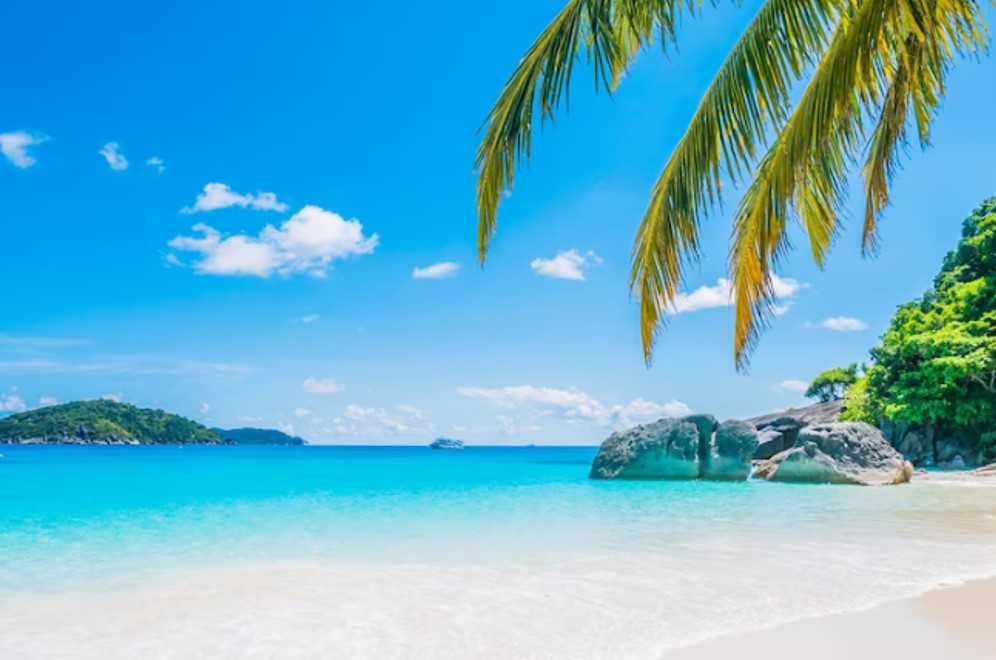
936,364
832,383
102,420
873,74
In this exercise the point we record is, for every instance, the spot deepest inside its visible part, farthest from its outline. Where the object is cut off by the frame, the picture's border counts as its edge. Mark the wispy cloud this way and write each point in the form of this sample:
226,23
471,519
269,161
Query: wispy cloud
314,385
132,365
436,271
792,385
721,295
219,196
358,421
575,404
39,342
567,265
310,318
157,163
306,243
14,146
112,154
12,403
843,324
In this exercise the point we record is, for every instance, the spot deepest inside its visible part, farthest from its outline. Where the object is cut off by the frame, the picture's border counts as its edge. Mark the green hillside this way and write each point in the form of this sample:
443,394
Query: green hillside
251,436
102,422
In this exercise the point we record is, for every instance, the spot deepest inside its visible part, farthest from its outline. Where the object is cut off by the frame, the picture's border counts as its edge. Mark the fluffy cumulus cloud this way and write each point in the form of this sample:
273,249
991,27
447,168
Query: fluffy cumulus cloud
314,385
574,404
843,324
567,265
306,243
721,295
157,163
205,408
112,154
46,401
12,403
116,398
359,421
14,147
794,386
436,271
219,196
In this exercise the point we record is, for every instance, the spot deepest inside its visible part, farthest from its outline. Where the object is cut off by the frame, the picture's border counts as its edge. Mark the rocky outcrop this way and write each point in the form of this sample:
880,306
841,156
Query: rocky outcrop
925,446
690,447
838,453
779,431
730,452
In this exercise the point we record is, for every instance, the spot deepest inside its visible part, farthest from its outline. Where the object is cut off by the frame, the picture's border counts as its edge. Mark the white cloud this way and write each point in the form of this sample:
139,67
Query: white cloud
117,398
205,408
574,404
302,412
721,295
310,318
357,420
157,163
436,271
306,243
12,403
220,196
321,385
567,265
792,385
15,147
843,324
114,157
47,401
286,428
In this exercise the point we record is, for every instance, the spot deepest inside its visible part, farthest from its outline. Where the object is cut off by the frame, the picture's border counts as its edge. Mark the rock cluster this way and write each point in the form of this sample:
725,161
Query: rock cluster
838,453
693,447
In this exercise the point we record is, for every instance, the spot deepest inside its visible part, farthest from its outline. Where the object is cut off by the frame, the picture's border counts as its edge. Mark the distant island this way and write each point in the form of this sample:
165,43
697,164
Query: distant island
252,436
102,422
446,443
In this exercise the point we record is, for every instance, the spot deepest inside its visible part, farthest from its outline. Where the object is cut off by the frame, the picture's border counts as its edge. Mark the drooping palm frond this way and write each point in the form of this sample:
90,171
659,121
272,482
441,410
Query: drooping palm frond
870,62
748,97
610,33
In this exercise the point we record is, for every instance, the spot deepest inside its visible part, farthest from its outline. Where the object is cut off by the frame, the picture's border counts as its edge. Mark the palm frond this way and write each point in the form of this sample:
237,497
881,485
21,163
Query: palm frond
748,97
610,33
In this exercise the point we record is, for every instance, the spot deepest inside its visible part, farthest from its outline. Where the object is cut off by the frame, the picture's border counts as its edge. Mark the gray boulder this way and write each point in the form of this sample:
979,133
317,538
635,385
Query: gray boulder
665,449
730,452
838,453
779,431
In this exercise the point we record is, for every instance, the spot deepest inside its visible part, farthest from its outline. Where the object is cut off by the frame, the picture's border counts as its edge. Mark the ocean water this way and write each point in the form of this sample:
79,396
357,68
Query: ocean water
407,553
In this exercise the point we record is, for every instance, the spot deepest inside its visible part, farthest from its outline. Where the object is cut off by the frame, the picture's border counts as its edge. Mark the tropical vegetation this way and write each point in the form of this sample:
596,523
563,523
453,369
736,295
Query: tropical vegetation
936,364
101,421
873,73
253,436
832,384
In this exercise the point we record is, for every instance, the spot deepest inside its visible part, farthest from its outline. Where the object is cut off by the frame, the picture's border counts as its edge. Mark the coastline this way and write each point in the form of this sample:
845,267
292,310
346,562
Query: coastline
952,621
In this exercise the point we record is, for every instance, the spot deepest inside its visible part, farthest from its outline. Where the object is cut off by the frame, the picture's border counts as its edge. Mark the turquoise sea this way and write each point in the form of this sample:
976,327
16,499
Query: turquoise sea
407,553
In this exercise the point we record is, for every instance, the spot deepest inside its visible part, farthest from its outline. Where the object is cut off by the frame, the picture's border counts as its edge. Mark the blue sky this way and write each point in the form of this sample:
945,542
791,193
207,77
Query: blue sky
323,155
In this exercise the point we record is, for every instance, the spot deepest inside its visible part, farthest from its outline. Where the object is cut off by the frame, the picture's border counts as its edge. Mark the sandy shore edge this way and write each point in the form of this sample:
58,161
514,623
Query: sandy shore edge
948,622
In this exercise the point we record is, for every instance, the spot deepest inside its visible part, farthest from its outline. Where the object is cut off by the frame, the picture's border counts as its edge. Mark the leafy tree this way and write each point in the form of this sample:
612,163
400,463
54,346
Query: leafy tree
833,383
102,420
936,364
871,69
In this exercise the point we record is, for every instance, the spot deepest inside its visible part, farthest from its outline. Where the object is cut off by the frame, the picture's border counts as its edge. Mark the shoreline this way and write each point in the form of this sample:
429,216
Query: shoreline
949,621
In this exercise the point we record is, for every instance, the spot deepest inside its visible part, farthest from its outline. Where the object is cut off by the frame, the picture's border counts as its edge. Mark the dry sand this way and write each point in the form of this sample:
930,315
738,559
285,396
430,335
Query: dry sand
957,623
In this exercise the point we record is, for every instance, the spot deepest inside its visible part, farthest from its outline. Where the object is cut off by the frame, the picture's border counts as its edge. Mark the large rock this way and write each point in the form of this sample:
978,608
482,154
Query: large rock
730,452
838,453
665,449
691,447
779,431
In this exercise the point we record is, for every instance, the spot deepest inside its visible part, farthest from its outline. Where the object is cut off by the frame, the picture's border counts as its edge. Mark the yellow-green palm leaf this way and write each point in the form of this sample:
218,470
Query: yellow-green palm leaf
870,68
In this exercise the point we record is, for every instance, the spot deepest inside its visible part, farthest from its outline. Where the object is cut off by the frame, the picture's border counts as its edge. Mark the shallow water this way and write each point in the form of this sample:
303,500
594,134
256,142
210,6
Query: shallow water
492,553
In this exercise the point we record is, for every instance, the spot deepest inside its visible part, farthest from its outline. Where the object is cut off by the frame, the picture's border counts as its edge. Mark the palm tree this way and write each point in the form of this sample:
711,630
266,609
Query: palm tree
874,71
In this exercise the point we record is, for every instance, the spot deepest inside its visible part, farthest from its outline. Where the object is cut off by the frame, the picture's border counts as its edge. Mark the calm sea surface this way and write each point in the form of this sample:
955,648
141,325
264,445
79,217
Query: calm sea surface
492,553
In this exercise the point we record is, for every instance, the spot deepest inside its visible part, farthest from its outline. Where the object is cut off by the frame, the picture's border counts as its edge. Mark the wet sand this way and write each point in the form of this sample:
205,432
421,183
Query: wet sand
956,623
